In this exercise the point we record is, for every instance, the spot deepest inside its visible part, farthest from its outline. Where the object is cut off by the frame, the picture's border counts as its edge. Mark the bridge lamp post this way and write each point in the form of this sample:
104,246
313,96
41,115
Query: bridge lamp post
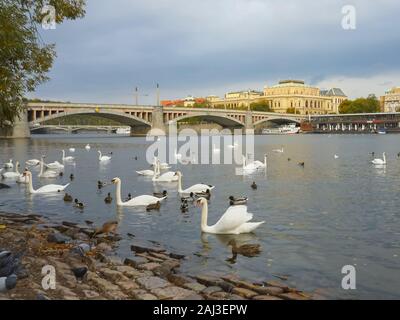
137,96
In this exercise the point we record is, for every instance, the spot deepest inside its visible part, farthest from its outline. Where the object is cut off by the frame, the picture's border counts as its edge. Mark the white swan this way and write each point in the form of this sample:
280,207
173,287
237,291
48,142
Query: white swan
54,166
235,220
103,158
32,162
380,161
12,175
336,156
9,165
47,173
278,150
168,176
68,158
50,188
255,165
87,147
72,150
196,188
149,172
143,200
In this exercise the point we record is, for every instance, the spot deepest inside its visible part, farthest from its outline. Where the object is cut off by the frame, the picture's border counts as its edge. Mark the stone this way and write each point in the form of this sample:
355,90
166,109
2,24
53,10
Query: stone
127,286
112,274
116,295
273,283
57,238
103,247
197,287
144,248
129,272
143,295
149,266
265,297
65,292
135,261
103,284
244,292
150,283
157,255
178,280
210,290
292,296
235,297
176,256
90,294
208,280
174,293
220,295
273,291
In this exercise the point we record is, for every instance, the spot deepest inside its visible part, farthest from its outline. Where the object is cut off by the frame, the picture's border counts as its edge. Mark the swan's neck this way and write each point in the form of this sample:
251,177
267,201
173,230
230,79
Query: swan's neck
265,161
41,167
244,161
30,185
180,183
118,194
99,155
204,217
63,154
384,158
16,169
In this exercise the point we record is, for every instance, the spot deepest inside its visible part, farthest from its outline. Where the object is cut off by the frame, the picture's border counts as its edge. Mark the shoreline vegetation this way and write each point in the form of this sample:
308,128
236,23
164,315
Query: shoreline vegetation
87,268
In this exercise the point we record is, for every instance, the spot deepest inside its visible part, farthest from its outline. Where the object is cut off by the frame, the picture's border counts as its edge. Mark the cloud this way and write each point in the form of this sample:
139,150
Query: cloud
210,47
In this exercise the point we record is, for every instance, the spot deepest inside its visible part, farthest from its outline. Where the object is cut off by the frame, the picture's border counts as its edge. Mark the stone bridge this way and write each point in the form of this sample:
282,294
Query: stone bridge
143,118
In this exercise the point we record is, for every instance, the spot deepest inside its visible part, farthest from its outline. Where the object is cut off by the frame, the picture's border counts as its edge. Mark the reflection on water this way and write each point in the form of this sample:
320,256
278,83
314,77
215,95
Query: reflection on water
320,217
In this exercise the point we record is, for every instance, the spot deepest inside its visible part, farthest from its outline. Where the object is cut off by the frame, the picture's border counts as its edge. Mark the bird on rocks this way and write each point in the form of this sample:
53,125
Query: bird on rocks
79,272
254,185
154,206
67,198
160,194
108,227
8,283
108,199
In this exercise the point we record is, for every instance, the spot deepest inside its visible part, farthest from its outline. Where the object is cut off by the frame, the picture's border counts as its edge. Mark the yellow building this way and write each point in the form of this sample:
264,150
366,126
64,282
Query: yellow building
390,102
293,95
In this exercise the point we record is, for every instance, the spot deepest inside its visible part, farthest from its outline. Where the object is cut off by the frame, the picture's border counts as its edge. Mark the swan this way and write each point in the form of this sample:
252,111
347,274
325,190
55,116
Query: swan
143,200
235,220
278,150
32,162
54,166
47,173
9,165
68,158
165,177
149,172
72,150
195,188
103,158
12,175
87,147
255,164
380,161
49,188
336,156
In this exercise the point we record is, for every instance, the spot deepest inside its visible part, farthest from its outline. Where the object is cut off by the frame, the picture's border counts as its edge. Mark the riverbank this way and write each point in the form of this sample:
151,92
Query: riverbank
86,268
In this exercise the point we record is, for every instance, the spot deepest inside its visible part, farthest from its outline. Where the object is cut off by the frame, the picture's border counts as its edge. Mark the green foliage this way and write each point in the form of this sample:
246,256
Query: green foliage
205,104
260,106
24,58
360,105
89,120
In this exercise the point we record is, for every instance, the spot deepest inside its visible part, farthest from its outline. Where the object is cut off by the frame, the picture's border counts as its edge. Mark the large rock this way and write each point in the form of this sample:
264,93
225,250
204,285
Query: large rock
248,294
135,261
175,293
151,283
58,238
140,248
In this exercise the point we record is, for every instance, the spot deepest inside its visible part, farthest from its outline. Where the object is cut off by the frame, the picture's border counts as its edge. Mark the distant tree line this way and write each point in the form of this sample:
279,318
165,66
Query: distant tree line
360,105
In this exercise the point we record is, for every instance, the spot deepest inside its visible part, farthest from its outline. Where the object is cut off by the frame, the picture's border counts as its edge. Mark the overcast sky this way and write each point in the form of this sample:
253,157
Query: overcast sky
204,47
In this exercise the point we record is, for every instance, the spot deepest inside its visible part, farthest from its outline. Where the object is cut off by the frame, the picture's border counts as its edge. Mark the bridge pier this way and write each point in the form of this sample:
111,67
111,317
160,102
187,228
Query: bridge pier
248,121
19,130
157,121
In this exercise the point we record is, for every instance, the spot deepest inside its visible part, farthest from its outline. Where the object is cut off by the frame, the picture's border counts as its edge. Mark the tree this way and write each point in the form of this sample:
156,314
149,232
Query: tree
260,106
292,110
24,58
360,105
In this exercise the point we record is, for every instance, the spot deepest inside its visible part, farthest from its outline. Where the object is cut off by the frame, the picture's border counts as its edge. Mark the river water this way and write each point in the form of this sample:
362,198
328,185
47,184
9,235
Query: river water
331,213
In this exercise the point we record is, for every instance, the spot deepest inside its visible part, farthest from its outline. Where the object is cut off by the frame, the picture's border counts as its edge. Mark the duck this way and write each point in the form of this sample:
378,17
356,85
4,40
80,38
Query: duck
184,205
398,155
288,159
278,150
301,164
378,161
153,206
129,197
78,204
87,147
72,150
235,220
103,158
190,197
12,174
9,165
206,194
108,199
247,250
101,184
196,188
32,162
160,194
143,200
4,186
237,201
71,176
254,185
67,197
79,272
106,228
50,188
47,173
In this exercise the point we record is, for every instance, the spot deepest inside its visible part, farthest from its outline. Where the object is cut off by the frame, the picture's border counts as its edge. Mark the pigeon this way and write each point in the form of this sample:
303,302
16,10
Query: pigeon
79,272
8,283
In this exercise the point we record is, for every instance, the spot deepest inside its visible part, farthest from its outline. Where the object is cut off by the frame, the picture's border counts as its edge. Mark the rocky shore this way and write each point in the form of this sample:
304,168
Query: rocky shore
87,269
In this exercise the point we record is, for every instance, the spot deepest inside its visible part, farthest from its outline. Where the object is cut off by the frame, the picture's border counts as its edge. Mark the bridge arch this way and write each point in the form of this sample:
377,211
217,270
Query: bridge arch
123,118
222,120
278,120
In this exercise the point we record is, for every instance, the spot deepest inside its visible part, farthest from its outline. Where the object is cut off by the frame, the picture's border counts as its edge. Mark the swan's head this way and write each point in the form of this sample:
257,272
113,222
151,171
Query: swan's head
98,151
115,180
17,164
178,173
27,173
201,202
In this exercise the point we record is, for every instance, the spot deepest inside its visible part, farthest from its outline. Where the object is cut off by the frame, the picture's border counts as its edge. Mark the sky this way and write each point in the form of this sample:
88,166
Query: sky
210,47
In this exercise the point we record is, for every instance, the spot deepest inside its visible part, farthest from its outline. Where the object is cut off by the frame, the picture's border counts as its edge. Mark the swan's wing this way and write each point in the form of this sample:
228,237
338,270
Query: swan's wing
143,200
51,188
199,188
233,218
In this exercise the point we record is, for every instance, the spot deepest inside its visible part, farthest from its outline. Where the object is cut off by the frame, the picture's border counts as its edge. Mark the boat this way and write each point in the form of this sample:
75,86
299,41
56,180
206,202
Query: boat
123,130
285,129
381,131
